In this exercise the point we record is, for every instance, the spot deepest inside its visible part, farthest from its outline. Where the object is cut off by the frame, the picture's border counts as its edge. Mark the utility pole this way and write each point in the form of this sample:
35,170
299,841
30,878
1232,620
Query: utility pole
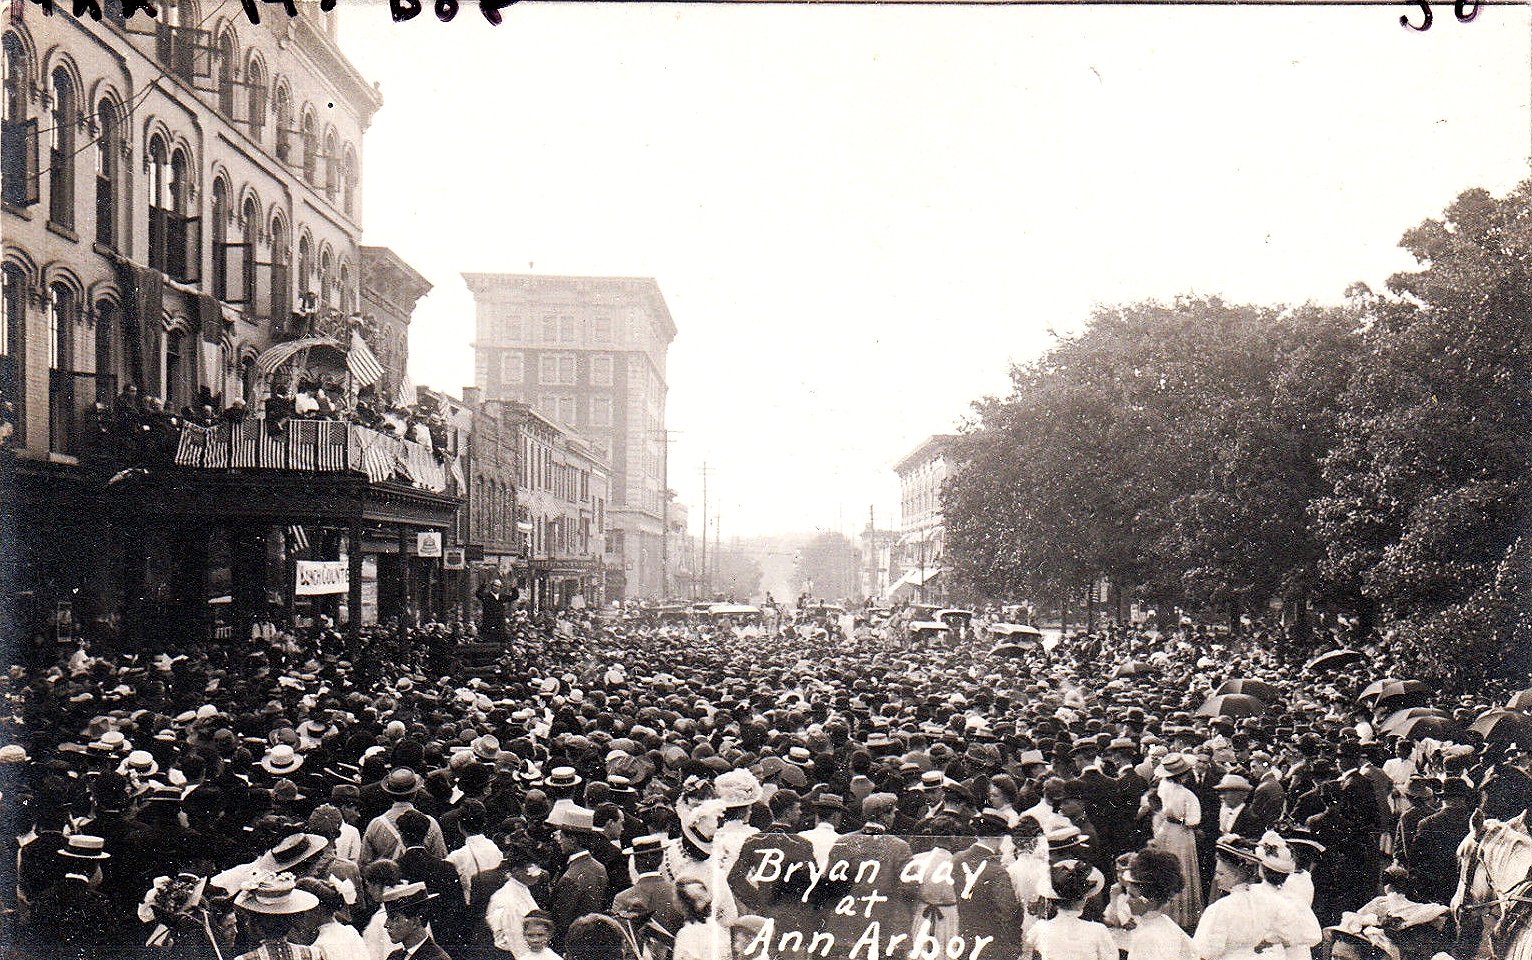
717,541
706,572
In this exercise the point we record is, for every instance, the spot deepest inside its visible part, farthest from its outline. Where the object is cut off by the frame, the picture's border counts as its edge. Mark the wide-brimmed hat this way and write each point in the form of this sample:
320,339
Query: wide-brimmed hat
486,747
83,846
1273,853
1233,781
568,815
281,759
406,898
1173,765
738,788
401,782
296,849
1237,848
139,762
276,893
563,778
649,843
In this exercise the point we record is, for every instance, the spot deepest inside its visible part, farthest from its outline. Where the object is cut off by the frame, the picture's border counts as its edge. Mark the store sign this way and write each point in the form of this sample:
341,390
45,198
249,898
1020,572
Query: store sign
319,577
454,559
428,544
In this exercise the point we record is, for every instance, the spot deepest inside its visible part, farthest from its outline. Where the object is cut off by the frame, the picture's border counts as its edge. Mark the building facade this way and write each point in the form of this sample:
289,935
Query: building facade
182,213
922,531
588,354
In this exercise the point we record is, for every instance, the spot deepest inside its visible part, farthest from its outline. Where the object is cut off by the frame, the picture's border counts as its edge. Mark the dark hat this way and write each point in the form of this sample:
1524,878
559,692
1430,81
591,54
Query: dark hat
827,801
409,899
296,849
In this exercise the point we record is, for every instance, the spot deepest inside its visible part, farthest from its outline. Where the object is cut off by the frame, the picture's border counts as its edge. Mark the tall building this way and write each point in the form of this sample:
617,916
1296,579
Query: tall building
588,353
922,529
182,218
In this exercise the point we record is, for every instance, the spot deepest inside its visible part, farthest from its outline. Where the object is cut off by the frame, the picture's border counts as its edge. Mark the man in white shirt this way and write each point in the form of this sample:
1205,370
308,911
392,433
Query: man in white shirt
478,852
827,809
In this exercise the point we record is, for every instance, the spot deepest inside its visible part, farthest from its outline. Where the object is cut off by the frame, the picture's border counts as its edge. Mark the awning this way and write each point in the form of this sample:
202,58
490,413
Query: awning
915,578
267,363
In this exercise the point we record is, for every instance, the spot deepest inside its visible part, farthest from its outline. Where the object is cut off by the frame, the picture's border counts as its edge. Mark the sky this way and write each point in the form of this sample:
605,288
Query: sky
862,216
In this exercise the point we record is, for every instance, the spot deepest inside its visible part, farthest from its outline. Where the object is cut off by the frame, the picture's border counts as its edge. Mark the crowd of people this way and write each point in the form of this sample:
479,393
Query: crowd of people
624,790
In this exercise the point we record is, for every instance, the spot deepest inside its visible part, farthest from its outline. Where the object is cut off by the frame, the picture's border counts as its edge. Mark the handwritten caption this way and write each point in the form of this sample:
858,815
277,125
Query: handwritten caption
446,10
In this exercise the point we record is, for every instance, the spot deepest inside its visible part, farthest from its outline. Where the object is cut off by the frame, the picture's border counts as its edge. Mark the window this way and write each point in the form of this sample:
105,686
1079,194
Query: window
159,204
348,185
226,84
566,330
18,143
550,329
512,363
281,287
601,330
183,236
220,239
510,328
108,150
601,411
567,410
13,328
247,380
326,280
556,368
106,322
601,370
61,156
305,273
255,86
61,320
179,44
331,168
310,150
284,118
251,215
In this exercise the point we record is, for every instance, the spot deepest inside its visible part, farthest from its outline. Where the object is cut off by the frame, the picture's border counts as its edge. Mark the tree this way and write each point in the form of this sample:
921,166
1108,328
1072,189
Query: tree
738,576
827,567
1429,480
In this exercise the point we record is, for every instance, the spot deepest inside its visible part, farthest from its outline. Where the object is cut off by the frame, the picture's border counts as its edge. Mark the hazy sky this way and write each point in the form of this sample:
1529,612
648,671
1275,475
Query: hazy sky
860,216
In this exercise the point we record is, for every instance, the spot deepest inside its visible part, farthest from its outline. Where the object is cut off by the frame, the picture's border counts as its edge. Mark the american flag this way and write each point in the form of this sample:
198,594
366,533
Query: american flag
297,539
365,368
244,444
332,445
193,444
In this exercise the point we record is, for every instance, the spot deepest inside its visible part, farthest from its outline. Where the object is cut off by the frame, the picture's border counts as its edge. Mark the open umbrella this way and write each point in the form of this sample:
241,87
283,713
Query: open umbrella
1335,659
1394,721
1374,689
1503,726
1437,728
1132,668
1403,693
1259,689
1520,700
1231,705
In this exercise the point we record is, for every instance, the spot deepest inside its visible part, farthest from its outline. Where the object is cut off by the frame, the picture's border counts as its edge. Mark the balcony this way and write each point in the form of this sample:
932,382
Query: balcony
316,446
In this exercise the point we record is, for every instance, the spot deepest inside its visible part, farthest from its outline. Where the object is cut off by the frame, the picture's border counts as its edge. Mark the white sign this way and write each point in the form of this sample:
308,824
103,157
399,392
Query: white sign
317,577
454,559
428,544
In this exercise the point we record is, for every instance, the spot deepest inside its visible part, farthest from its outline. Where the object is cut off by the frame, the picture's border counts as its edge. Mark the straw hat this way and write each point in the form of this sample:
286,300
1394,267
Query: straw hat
85,847
281,759
1172,765
276,893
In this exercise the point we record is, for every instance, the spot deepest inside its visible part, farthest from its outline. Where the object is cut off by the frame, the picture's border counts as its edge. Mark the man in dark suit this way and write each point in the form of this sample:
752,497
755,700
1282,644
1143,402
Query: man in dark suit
650,903
1268,801
496,604
771,877
894,905
987,904
409,909
581,888
1433,848
418,865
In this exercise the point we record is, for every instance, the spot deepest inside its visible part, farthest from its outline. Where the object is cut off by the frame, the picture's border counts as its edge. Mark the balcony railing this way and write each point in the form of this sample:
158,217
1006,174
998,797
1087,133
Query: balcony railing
317,446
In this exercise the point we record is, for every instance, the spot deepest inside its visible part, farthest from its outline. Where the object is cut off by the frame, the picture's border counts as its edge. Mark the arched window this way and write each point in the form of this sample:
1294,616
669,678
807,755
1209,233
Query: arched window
347,302
331,168
159,204
13,331
220,238
255,83
61,157
182,238
179,43
326,280
19,171
106,323
310,151
247,380
284,118
226,82
251,214
62,309
348,184
108,165
305,274
281,307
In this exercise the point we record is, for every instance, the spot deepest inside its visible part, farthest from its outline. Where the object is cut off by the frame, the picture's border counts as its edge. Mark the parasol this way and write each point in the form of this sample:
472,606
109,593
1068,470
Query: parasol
1259,689
1335,659
1231,705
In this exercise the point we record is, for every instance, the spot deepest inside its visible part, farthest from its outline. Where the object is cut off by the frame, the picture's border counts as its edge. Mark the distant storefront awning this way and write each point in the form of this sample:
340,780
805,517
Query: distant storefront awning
917,577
